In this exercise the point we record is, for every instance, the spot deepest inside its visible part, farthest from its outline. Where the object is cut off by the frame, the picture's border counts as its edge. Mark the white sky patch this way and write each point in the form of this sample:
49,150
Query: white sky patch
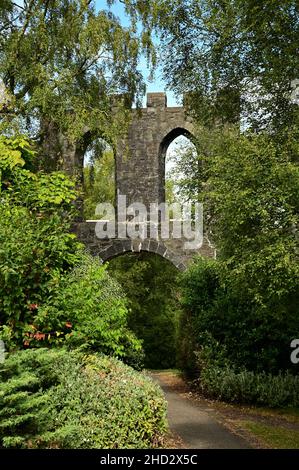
295,91
174,148
173,171
19,2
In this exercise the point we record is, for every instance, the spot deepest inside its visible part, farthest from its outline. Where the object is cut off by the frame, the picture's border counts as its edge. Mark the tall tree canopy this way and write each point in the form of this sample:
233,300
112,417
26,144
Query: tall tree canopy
230,51
60,61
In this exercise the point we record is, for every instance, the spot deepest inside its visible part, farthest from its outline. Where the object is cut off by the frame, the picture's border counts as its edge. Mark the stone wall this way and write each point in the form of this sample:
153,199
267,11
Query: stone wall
170,249
140,157
140,176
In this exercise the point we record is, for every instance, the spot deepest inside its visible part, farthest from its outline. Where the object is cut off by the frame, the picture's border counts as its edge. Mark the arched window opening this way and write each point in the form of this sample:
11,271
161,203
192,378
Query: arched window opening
180,162
99,177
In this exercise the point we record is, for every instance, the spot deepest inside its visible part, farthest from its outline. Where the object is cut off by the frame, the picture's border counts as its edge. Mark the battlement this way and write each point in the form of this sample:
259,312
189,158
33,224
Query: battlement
156,100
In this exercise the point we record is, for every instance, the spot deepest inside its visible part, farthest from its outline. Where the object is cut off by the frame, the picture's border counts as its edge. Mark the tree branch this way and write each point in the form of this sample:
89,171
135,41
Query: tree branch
18,6
26,24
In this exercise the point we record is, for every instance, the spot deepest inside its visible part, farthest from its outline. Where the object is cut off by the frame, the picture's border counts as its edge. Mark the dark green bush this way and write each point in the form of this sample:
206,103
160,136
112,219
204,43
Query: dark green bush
62,399
253,335
243,306
149,282
247,299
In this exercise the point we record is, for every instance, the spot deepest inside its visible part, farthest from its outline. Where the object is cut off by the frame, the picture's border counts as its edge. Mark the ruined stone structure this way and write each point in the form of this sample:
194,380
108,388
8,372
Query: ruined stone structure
140,159
140,175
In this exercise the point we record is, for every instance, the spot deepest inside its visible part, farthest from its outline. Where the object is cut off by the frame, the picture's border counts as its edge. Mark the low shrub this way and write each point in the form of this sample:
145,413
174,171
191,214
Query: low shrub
61,399
220,380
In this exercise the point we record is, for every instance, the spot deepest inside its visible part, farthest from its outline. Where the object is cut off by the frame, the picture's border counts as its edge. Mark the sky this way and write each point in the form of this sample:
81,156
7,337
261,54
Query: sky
158,84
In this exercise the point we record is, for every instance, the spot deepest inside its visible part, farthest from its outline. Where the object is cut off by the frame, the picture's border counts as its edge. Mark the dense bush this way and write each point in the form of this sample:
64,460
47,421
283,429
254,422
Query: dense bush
34,255
149,282
87,309
36,248
248,387
253,336
62,399
236,350
247,299
220,380
42,301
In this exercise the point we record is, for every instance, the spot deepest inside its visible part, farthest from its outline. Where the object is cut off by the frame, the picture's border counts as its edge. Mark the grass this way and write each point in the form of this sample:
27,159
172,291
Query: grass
166,371
266,427
291,413
276,437
263,427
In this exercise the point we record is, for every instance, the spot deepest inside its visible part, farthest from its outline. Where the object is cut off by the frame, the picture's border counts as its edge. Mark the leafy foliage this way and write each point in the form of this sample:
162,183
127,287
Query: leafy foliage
36,246
221,381
233,55
41,301
15,152
150,286
63,399
34,254
87,309
187,168
42,193
240,311
238,351
60,61
238,326
183,169
99,183
251,192
247,299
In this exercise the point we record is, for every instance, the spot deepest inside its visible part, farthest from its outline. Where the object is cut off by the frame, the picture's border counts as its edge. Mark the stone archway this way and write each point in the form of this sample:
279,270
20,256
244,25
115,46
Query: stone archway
171,136
140,176
163,148
119,247
139,169
171,249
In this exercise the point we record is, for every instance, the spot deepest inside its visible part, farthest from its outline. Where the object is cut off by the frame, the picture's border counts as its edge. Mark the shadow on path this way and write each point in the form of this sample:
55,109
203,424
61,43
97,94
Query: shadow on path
193,422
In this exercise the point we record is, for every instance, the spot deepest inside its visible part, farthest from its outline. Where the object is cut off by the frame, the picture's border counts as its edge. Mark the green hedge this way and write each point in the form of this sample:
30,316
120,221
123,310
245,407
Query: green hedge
218,378
61,399
247,387
254,335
